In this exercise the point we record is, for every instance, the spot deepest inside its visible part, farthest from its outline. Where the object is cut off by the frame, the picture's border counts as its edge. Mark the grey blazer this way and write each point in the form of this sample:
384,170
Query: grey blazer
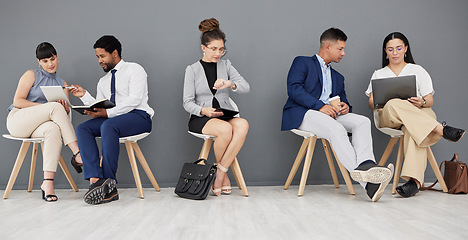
197,94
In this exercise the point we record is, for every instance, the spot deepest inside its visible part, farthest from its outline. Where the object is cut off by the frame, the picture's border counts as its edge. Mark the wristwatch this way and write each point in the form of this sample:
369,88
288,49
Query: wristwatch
424,102
233,86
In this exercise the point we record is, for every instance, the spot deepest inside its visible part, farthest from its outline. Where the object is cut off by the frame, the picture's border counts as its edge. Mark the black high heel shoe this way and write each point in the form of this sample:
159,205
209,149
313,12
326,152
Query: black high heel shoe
76,165
49,197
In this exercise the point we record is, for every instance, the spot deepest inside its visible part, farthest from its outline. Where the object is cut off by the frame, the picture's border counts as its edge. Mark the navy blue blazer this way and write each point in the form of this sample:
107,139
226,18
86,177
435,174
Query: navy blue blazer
305,83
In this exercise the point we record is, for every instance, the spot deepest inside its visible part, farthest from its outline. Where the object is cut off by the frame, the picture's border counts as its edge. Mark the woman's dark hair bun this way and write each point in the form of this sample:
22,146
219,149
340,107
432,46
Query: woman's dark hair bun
208,25
210,31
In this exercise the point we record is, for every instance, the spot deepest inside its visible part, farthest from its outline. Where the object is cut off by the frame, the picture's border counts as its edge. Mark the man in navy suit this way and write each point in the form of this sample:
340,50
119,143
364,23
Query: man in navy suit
311,83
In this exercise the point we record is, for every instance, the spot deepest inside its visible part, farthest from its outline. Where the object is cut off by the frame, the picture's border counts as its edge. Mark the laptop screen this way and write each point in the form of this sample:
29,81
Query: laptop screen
385,89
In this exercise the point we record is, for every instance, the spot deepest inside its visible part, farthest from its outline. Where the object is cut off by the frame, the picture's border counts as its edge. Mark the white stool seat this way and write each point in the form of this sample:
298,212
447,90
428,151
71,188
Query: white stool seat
34,140
203,136
388,131
304,134
134,138
391,132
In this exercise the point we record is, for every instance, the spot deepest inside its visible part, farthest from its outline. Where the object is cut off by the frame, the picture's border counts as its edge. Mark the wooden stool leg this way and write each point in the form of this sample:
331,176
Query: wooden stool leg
234,173
145,166
236,170
346,177
326,148
136,174
307,162
344,172
206,149
297,162
388,150
399,163
435,168
65,170
19,161
33,166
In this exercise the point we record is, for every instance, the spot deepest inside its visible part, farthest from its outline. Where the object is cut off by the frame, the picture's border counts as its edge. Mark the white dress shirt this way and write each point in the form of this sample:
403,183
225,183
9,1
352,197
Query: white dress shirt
423,79
131,90
327,81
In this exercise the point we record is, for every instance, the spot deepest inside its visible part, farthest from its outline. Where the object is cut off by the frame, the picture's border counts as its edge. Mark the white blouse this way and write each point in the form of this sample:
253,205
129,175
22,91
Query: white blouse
423,80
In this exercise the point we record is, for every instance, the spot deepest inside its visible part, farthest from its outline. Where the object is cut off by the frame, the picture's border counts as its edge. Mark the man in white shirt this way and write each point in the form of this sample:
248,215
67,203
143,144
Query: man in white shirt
125,84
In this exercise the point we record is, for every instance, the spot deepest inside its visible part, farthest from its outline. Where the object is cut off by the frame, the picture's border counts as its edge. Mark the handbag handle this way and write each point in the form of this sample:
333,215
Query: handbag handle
200,161
455,157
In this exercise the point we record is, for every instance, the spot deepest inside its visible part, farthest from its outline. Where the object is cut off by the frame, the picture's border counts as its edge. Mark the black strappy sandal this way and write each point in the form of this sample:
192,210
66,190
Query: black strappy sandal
76,165
49,198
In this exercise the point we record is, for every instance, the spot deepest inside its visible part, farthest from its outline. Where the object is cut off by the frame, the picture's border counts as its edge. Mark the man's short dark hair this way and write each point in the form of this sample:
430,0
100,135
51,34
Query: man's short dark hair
109,43
333,34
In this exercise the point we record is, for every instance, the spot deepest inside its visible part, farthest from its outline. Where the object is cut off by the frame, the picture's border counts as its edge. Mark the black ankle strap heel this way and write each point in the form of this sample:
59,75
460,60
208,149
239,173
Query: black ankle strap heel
76,165
49,197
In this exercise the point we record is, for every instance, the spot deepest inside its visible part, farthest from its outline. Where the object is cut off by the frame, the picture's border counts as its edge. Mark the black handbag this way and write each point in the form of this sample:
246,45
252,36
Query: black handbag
195,180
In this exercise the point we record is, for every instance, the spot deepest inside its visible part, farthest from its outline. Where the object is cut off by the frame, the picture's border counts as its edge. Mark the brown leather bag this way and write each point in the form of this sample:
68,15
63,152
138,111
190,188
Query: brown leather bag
455,176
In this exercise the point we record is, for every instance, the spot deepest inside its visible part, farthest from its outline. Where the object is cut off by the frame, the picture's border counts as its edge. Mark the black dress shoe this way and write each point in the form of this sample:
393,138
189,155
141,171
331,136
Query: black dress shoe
112,196
98,190
76,165
369,171
375,191
408,189
452,134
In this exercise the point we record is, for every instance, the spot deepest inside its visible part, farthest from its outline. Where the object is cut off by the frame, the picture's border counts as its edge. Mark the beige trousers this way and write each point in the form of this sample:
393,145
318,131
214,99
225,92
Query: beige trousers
48,120
417,125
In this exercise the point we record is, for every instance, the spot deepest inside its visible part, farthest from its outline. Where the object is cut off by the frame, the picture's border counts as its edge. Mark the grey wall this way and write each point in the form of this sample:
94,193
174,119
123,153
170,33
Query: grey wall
263,39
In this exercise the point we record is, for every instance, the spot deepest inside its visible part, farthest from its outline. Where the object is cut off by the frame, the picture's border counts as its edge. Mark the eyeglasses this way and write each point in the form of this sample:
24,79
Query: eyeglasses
221,51
398,49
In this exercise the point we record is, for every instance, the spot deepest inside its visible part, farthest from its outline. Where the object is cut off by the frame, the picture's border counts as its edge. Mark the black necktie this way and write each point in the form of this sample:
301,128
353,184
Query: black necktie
112,99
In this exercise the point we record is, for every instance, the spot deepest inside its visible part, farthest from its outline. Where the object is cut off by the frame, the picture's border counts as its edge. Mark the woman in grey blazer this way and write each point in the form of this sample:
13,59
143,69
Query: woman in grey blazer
207,85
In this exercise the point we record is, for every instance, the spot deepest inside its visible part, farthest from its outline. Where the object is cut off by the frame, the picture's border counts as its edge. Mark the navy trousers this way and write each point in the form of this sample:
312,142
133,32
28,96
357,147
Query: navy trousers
110,130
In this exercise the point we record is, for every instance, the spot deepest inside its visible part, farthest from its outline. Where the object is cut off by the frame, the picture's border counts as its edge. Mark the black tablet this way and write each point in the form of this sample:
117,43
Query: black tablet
227,112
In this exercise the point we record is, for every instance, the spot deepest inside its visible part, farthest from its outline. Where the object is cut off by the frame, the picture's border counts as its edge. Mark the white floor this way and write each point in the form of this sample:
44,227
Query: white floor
268,213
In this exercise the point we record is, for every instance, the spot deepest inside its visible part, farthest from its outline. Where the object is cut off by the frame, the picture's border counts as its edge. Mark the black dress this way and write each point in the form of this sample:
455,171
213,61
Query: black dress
197,123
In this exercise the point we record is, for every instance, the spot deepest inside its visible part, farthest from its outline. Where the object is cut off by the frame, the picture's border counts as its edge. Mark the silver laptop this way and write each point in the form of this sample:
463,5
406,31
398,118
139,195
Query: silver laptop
385,89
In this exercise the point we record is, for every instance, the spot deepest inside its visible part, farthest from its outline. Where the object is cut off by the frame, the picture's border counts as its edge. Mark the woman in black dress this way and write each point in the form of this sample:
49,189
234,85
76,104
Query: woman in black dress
207,85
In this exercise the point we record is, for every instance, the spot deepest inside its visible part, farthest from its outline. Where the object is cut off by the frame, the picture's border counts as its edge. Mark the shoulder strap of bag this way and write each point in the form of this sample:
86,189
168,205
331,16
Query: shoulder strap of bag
432,185
455,157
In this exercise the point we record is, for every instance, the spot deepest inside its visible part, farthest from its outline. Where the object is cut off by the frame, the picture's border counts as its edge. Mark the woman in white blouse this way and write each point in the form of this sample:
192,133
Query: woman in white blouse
413,116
